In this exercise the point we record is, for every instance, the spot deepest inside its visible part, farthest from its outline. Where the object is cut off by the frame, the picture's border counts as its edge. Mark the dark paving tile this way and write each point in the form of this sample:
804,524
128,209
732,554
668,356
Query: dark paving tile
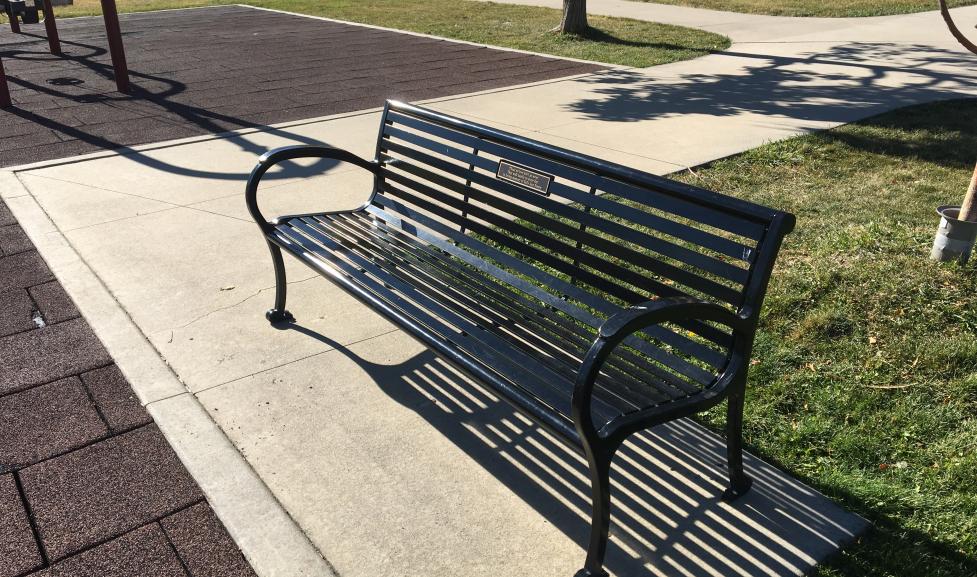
23,270
106,489
45,421
33,138
204,544
140,553
55,304
16,311
5,217
188,64
18,550
58,150
13,240
45,355
115,399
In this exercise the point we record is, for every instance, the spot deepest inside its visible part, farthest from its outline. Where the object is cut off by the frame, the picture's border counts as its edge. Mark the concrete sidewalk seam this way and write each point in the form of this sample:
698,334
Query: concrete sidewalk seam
292,362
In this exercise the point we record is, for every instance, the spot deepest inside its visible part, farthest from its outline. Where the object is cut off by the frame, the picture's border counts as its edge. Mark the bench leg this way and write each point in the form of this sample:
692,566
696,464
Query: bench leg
600,487
739,483
278,314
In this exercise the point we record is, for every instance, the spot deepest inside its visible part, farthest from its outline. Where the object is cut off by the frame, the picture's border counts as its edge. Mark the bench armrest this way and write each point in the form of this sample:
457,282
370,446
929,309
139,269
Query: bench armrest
626,322
278,155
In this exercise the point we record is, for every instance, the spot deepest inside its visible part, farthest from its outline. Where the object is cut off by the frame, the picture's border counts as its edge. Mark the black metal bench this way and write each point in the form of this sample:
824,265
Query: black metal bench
598,300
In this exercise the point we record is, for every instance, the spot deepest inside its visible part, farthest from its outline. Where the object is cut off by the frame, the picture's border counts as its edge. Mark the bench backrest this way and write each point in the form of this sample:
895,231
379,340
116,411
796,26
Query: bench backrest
585,236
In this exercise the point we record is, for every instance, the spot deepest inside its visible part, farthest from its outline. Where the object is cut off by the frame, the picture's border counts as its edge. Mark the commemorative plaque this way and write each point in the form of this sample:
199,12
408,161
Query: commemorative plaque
538,182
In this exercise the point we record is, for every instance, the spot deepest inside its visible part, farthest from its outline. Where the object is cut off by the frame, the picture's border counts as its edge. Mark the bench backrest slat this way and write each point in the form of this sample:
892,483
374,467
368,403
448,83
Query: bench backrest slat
579,230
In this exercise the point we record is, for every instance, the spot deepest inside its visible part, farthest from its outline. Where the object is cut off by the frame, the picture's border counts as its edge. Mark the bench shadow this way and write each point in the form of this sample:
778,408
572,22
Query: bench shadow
666,482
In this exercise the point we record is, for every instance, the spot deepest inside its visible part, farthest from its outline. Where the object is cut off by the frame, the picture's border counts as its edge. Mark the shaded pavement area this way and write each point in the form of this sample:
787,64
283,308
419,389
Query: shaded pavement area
88,485
217,69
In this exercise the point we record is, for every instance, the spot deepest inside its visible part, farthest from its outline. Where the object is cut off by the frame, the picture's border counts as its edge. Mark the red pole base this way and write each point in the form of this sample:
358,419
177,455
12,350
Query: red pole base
4,92
51,27
116,49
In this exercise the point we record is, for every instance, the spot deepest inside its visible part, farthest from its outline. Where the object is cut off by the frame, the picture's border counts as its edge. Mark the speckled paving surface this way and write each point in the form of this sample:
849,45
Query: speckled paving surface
88,485
216,69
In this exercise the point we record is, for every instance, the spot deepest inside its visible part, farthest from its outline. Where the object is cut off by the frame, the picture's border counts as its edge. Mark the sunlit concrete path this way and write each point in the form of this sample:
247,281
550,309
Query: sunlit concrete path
781,77
381,458
741,27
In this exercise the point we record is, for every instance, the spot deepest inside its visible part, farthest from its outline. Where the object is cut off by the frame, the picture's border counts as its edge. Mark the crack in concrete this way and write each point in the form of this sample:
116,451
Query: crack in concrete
232,305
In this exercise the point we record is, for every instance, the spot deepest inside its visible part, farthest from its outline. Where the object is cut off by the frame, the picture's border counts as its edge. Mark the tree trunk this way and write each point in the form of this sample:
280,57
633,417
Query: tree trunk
574,17
968,211
954,30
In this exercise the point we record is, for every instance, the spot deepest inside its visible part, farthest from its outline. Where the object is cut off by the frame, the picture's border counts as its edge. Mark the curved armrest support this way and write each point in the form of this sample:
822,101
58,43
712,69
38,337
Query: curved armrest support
278,155
625,323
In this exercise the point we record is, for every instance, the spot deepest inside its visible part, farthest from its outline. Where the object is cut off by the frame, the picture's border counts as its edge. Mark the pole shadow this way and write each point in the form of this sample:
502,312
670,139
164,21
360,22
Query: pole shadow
150,94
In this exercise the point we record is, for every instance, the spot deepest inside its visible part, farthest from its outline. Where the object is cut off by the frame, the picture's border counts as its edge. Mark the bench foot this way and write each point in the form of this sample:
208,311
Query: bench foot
276,316
734,493
589,573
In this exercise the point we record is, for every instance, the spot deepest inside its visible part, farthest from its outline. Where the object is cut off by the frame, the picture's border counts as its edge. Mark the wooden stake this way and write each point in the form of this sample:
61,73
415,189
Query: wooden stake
968,211
51,28
111,17
4,93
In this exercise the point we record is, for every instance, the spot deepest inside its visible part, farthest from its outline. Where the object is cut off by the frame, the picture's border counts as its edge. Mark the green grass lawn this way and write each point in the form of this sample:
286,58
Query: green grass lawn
833,8
613,41
866,381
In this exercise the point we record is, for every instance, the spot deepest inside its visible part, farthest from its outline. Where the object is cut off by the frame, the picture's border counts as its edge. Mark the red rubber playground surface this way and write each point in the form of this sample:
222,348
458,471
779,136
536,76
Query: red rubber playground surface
210,70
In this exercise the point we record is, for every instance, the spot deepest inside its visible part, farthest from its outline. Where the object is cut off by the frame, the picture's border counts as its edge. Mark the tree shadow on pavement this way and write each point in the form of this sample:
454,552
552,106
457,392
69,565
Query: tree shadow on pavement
839,84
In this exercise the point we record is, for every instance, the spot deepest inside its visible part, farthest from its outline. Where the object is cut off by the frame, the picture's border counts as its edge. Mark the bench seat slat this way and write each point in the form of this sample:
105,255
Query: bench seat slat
636,377
390,277
419,225
520,369
487,288
622,401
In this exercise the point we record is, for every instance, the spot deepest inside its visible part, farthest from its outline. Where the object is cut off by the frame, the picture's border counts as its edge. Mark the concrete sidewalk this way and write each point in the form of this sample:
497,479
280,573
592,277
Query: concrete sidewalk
741,27
781,77
387,460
